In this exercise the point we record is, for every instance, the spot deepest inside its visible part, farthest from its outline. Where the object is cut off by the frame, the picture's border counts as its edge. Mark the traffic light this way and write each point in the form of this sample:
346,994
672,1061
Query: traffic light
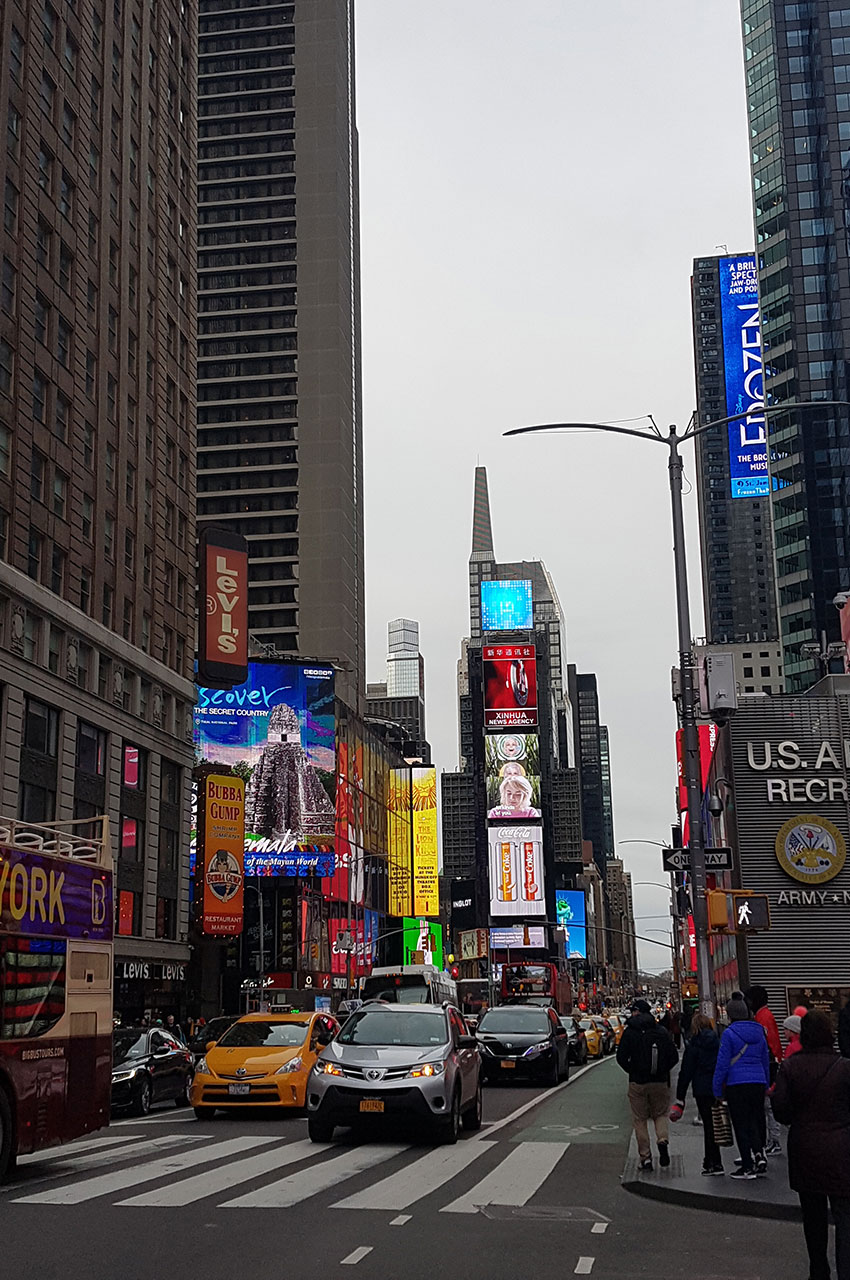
718,910
750,912
455,971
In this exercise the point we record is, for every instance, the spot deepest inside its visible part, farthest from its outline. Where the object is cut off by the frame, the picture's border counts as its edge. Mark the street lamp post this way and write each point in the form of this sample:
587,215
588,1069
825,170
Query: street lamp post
687,692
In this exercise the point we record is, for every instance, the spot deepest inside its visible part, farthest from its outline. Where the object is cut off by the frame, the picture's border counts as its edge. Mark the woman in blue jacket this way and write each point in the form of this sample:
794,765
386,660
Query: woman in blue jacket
697,1070
743,1071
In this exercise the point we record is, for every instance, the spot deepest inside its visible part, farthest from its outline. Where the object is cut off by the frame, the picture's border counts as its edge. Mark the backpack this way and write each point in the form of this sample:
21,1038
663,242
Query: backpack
653,1053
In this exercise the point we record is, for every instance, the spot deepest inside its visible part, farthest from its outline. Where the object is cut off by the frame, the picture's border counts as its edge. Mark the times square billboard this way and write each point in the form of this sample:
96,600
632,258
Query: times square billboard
743,365
278,732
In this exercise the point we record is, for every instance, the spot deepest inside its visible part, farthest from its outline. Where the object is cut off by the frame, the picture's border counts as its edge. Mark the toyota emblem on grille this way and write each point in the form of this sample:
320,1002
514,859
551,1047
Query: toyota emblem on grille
373,1074
240,1071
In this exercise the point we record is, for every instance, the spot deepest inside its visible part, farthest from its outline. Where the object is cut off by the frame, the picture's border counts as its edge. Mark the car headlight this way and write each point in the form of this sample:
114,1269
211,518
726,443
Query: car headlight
485,1048
537,1049
202,1068
295,1064
125,1075
428,1069
325,1068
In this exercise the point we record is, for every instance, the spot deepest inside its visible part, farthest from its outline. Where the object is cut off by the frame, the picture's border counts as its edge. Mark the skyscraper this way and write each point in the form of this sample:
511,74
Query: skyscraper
279,422
97,506
589,737
733,495
401,697
797,59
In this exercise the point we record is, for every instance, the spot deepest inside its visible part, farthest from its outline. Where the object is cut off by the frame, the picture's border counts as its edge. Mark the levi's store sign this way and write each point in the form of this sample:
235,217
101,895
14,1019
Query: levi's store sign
223,643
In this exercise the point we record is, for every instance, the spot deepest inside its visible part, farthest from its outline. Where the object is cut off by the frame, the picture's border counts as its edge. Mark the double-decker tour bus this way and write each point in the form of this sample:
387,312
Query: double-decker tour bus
537,982
56,930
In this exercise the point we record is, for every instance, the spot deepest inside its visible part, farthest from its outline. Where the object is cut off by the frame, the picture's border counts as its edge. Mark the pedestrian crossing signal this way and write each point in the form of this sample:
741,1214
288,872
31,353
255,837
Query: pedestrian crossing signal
751,912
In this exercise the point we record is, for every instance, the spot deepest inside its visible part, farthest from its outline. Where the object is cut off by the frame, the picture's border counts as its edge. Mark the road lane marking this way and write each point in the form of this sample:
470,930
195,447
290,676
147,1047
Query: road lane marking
101,1158
515,1180
400,1220
156,1117
584,1266
90,1188
71,1151
226,1176
357,1256
542,1097
310,1182
419,1179
599,1228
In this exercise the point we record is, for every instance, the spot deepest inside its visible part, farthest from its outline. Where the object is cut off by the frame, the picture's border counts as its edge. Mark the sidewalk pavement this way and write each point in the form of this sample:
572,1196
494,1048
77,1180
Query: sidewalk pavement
682,1182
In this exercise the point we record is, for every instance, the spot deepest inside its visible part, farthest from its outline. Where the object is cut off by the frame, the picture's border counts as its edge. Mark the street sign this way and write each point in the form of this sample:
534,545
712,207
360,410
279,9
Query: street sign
680,859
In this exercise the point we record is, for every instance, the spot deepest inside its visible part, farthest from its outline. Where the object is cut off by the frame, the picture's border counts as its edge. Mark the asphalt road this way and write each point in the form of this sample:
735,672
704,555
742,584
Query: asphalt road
535,1194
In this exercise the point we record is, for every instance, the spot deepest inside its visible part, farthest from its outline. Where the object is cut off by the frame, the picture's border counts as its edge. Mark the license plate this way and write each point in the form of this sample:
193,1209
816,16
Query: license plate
239,1089
506,1062
371,1104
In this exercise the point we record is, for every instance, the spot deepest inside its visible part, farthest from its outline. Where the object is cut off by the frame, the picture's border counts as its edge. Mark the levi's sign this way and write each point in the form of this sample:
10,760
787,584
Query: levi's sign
680,859
223,647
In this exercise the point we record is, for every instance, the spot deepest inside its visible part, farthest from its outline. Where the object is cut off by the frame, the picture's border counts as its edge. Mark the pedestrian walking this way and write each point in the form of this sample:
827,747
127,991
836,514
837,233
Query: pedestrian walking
812,1095
792,1025
743,1074
647,1053
172,1025
756,998
697,1073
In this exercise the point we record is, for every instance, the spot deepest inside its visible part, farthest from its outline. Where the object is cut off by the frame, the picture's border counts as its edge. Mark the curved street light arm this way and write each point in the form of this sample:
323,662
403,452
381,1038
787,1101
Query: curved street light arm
768,410
586,426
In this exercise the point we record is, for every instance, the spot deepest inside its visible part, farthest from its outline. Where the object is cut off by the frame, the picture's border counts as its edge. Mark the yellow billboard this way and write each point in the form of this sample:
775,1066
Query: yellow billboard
398,843
426,857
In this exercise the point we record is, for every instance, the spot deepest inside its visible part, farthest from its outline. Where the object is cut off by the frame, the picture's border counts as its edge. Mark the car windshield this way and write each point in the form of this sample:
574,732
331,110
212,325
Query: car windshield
381,1027
587,1024
398,989
129,1042
264,1035
522,1019
568,1024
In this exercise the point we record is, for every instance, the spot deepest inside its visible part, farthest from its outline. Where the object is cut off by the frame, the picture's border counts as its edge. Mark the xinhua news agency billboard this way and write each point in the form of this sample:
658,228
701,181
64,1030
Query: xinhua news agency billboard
743,364
277,731
510,686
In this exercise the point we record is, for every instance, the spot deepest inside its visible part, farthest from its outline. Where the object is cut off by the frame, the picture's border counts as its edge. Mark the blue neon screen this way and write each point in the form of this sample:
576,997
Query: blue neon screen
570,914
506,606
744,377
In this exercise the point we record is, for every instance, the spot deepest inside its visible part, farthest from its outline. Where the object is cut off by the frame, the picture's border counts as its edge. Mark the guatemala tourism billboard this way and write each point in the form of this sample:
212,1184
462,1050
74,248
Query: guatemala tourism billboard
277,731
744,377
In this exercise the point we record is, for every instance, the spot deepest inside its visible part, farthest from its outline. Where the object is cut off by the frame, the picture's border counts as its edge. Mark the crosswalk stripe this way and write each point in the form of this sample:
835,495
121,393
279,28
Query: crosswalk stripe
157,1117
72,1150
310,1182
515,1180
226,1176
419,1179
113,1155
89,1188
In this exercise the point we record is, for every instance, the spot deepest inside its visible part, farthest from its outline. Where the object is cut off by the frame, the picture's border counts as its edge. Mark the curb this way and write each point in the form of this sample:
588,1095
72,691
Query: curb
713,1203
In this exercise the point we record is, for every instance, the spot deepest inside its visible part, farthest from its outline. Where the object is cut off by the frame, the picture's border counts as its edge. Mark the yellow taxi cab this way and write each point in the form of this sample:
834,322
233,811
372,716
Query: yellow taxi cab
593,1036
618,1023
262,1060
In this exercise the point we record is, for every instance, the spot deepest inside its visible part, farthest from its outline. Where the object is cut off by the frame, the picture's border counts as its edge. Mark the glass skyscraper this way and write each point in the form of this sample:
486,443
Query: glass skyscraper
797,59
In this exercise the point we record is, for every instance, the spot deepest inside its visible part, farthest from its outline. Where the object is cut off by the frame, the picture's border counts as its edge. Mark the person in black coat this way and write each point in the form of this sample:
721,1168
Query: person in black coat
844,1031
812,1095
697,1071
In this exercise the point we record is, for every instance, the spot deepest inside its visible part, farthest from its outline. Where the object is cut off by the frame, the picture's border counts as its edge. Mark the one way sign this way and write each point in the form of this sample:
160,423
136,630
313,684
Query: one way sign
680,859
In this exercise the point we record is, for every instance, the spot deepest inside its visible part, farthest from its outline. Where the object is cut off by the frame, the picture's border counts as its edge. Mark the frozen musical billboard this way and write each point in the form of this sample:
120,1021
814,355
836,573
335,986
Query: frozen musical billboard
516,870
510,686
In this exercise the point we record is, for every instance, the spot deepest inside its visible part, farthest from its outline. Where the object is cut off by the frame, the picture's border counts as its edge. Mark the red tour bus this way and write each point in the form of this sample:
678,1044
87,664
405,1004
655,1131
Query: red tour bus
537,982
56,929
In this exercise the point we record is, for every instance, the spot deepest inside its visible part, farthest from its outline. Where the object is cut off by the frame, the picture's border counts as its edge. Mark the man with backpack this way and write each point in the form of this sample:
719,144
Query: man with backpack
647,1053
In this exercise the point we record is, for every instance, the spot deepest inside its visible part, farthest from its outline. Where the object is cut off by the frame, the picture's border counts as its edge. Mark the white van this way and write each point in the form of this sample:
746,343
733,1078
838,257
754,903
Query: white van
409,984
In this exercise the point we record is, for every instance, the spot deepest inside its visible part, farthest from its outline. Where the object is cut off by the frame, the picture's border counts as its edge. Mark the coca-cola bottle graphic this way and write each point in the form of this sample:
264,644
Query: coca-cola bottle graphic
507,882
530,887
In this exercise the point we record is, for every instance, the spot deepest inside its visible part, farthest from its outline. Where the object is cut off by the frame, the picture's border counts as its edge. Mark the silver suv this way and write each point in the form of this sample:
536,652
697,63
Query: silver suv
404,1061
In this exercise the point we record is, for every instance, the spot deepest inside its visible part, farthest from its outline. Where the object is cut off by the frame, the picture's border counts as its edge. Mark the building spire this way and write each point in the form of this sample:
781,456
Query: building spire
482,529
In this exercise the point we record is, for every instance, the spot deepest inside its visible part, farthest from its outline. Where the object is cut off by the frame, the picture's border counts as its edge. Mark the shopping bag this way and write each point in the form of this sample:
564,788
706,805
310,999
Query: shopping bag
721,1124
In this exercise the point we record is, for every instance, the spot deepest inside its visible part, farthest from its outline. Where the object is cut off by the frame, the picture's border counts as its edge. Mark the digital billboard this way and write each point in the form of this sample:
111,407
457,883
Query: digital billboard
516,870
571,915
743,365
399,869
506,606
425,936
223,621
532,938
510,686
512,772
277,732
426,856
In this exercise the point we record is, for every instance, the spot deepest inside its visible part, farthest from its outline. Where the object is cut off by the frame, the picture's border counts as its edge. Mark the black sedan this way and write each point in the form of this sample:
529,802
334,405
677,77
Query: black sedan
577,1040
210,1031
149,1065
523,1040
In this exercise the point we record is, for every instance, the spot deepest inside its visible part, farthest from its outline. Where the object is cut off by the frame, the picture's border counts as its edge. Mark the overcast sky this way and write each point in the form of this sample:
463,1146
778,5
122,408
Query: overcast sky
536,179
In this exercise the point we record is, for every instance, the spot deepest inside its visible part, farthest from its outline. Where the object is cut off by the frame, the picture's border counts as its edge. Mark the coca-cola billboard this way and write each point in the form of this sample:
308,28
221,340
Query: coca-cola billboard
516,870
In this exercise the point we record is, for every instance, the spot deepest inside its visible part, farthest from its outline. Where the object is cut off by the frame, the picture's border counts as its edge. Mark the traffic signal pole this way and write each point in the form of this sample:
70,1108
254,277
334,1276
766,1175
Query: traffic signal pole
690,735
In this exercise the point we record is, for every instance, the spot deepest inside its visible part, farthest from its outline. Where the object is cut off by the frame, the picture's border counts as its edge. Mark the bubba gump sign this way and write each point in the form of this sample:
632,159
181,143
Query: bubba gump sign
223,855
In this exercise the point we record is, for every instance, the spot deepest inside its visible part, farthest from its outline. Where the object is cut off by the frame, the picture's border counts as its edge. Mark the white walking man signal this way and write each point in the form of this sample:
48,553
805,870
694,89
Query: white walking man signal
744,913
